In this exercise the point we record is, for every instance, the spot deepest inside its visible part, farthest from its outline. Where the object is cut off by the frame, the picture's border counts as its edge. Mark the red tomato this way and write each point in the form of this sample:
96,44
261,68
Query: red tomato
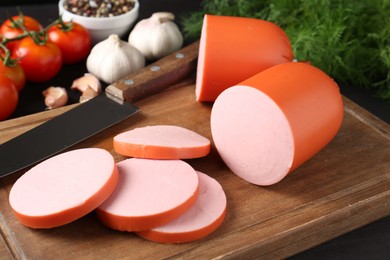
8,97
14,72
9,30
40,62
73,40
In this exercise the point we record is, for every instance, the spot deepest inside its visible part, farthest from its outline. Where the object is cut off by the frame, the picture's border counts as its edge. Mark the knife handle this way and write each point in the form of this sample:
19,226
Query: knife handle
156,76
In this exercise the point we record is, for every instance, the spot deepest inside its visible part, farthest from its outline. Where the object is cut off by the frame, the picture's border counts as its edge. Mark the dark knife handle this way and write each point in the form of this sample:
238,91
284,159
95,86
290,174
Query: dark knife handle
157,76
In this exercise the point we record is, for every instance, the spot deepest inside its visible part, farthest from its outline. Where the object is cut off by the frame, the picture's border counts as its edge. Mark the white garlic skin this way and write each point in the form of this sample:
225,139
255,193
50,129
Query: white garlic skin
55,97
112,59
156,36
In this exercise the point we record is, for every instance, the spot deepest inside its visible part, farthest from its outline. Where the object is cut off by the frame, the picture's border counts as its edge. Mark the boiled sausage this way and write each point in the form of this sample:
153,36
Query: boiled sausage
271,123
233,49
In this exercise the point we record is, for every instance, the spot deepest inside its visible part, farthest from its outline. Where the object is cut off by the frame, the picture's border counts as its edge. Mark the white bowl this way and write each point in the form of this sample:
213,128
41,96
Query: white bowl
101,27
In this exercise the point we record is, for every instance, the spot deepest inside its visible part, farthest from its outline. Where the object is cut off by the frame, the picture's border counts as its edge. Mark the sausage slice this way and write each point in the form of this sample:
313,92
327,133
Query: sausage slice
162,142
64,188
203,218
150,193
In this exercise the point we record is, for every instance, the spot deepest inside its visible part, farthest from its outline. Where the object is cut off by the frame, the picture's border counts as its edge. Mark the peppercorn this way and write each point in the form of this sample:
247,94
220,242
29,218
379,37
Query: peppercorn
99,8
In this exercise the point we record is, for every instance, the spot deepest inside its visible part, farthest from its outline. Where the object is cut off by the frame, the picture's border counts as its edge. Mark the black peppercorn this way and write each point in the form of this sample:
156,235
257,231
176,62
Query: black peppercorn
99,8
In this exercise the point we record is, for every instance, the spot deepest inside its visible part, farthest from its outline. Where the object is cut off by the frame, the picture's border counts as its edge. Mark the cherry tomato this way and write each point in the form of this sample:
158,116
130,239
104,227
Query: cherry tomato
40,62
73,40
8,97
9,30
13,71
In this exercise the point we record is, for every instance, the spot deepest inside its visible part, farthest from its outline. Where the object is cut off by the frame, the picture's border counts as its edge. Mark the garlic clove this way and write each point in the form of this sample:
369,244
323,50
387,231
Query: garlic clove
156,36
55,97
87,81
88,94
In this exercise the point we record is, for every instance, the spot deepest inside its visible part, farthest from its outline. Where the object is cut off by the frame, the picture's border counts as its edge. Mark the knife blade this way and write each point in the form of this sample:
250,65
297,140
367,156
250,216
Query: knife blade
97,114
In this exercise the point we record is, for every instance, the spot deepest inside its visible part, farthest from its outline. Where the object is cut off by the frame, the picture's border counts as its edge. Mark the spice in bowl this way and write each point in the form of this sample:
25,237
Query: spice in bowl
101,17
98,8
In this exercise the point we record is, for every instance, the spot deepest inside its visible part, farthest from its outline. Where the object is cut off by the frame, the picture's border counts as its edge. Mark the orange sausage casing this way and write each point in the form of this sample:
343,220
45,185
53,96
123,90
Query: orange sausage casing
233,49
271,123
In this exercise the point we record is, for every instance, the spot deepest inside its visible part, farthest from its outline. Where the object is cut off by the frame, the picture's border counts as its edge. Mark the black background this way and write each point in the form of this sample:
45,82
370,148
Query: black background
369,242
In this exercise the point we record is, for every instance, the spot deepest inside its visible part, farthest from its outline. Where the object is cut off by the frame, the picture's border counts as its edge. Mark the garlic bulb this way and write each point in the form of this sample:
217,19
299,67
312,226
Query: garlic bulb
156,36
112,59
55,97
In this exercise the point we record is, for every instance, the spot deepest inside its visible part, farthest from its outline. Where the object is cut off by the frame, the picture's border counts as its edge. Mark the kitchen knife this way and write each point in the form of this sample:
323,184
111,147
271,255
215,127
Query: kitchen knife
96,114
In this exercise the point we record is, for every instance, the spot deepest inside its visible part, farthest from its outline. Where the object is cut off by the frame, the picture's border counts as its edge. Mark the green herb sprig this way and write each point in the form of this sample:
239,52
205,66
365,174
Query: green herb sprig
349,40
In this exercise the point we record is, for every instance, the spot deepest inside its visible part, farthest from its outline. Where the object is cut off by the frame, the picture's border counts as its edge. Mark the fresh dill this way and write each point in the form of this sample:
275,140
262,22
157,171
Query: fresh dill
348,39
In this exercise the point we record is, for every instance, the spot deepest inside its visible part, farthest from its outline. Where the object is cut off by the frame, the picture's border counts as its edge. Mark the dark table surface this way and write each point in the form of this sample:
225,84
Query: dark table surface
369,242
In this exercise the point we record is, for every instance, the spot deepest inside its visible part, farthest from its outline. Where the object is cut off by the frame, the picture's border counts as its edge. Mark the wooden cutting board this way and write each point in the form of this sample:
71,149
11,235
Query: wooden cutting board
343,187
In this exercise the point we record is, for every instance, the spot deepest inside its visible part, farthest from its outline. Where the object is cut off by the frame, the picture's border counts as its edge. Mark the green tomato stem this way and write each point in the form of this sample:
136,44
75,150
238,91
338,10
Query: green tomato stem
6,58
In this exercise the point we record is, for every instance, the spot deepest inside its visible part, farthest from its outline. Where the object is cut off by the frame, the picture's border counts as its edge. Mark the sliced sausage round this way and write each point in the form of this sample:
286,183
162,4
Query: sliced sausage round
149,193
64,188
162,142
203,218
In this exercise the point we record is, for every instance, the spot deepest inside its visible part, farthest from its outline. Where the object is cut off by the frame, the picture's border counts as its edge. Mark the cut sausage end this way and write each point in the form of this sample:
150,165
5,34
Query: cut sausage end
203,218
162,142
150,193
252,135
201,62
63,188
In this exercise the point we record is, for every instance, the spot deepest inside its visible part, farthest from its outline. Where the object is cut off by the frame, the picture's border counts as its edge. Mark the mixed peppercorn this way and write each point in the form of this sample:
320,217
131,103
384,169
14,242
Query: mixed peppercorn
99,8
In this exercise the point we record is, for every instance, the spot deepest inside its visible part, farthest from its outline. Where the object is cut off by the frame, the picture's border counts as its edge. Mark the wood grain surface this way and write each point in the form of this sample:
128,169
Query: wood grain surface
343,187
